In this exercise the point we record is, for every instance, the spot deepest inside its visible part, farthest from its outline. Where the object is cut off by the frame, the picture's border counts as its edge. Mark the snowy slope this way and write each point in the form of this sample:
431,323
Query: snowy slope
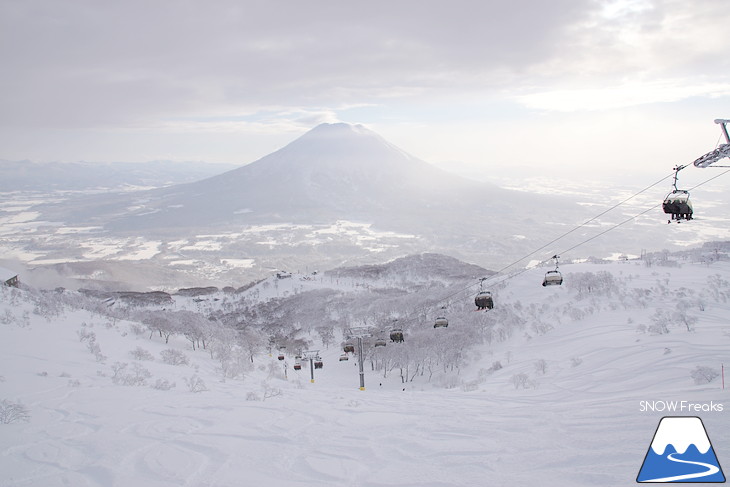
564,409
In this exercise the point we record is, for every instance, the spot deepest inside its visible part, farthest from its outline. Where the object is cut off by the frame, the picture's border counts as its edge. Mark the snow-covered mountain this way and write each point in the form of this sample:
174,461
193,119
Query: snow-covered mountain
426,267
333,172
550,388
680,433
338,194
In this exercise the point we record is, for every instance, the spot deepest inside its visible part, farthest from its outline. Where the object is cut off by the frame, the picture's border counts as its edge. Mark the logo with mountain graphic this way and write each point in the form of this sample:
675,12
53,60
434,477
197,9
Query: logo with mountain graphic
681,452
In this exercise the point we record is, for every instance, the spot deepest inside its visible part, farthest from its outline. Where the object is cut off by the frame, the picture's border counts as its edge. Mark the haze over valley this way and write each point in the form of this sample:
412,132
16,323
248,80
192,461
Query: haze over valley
338,195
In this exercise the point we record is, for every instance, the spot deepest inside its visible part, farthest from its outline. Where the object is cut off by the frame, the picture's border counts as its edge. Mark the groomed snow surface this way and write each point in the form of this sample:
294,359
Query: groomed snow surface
565,409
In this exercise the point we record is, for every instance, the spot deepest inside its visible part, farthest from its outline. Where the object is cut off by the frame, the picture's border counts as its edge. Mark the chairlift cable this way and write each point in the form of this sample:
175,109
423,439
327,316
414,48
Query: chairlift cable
515,274
639,214
578,227
707,181
611,228
582,224
719,138
618,224
560,237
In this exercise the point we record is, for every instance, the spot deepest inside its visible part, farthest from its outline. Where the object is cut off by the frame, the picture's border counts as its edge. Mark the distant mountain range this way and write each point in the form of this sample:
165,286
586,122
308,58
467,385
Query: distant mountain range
81,176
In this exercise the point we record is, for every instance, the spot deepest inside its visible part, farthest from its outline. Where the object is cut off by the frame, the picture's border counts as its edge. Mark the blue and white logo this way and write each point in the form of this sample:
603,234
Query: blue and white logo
681,452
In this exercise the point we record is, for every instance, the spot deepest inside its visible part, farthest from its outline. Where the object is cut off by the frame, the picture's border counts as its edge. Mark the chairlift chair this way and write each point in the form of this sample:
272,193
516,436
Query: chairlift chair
297,365
552,278
281,356
380,342
396,335
484,300
344,357
441,321
349,347
678,205
318,364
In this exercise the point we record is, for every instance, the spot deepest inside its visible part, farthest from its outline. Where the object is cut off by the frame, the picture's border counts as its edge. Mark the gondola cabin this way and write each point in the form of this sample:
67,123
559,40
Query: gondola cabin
349,347
396,335
344,357
318,364
678,205
441,323
484,300
552,278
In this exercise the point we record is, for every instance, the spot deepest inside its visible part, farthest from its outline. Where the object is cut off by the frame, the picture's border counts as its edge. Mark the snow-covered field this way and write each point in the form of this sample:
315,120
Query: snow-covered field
85,255
566,408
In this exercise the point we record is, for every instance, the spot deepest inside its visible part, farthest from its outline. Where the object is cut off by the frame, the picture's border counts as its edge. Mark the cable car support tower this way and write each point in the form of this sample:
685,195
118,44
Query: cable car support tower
312,356
722,151
360,333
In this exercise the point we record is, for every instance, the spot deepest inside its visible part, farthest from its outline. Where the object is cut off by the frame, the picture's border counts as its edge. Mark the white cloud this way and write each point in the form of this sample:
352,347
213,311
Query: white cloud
233,80
621,96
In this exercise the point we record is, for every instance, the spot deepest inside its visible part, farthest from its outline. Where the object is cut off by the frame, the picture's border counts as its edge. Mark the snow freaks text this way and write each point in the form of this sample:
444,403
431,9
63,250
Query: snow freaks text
680,406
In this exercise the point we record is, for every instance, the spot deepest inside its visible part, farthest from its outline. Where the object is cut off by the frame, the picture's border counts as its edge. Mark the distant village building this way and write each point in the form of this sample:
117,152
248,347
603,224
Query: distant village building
8,277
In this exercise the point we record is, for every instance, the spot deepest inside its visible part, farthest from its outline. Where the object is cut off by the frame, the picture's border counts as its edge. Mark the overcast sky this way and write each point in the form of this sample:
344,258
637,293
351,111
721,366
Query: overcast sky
565,87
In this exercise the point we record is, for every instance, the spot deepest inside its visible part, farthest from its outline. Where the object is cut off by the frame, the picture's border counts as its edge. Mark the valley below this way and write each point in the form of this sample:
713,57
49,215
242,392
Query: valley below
339,195
57,254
